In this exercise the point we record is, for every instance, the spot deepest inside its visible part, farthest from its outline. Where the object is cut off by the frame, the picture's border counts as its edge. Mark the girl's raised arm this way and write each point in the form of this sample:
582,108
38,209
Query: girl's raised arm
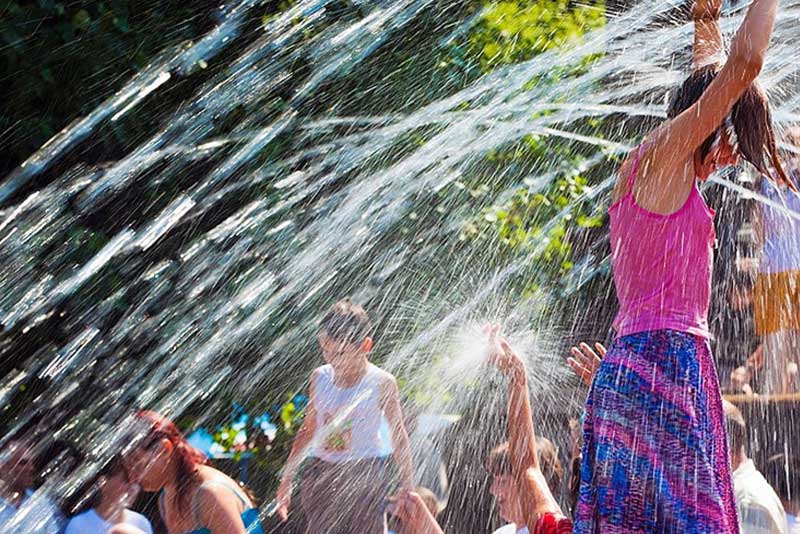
676,141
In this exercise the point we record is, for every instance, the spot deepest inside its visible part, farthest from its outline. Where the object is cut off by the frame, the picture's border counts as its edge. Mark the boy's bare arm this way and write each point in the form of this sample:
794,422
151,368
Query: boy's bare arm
300,444
400,441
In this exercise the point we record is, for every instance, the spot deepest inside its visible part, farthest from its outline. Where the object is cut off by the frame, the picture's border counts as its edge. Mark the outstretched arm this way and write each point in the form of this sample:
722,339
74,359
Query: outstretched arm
535,496
301,442
400,443
708,47
674,143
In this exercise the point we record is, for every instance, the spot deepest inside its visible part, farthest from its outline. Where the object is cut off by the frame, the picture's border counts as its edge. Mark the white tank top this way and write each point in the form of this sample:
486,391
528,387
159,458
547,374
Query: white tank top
349,420
781,231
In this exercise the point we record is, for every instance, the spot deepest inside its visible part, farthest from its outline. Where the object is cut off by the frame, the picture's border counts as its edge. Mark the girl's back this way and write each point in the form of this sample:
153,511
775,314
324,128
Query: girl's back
662,264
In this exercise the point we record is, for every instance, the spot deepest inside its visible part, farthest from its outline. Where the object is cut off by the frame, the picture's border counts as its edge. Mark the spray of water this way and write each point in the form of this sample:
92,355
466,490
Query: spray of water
220,257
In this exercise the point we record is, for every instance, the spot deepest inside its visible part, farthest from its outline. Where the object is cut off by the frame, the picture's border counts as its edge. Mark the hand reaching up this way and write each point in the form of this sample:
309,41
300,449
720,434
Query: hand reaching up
502,355
585,361
706,9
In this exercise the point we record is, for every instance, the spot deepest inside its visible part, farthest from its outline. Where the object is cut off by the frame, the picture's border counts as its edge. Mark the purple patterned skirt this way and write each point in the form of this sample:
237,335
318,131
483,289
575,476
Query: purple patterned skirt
655,457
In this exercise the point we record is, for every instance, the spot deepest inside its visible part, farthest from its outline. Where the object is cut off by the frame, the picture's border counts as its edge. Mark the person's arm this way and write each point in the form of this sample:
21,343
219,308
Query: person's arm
301,442
708,46
219,510
535,496
657,187
390,401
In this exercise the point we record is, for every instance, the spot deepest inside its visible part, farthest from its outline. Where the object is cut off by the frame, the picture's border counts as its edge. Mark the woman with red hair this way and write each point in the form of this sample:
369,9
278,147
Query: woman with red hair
195,498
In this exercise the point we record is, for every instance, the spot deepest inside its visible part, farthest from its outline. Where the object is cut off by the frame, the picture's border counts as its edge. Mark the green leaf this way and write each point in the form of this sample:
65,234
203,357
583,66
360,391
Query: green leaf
81,19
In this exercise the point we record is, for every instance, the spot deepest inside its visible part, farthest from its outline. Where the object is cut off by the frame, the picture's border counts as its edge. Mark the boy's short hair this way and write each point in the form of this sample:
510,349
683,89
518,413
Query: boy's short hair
499,463
346,321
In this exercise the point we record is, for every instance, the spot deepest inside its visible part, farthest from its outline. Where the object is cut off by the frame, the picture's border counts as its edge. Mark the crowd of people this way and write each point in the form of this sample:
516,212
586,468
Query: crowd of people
659,450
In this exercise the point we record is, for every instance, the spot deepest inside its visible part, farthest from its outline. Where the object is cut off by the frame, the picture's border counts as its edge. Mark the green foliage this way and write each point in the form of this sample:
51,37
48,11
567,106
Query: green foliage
61,59
537,222
514,31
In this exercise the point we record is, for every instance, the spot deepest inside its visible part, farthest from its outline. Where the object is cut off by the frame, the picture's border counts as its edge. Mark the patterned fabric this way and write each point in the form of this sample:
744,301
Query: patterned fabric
551,523
655,457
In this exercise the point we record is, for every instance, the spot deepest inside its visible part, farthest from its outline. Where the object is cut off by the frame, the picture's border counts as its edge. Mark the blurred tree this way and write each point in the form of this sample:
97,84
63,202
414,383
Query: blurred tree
59,60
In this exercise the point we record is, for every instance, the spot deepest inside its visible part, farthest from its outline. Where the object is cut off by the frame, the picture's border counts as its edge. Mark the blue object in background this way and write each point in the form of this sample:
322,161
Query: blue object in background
202,440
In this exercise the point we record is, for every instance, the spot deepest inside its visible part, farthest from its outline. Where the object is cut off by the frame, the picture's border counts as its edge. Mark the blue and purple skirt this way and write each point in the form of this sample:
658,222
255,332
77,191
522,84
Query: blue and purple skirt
655,457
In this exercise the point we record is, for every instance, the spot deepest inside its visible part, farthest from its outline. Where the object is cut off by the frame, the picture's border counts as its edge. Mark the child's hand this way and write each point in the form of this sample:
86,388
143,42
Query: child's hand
706,9
585,361
502,355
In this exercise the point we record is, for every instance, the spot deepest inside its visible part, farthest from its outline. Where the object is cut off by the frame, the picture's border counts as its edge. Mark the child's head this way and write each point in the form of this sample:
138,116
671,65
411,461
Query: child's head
747,132
344,334
503,486
740,291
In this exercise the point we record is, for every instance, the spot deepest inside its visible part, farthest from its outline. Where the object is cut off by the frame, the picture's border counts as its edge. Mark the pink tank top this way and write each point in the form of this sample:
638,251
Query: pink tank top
662,264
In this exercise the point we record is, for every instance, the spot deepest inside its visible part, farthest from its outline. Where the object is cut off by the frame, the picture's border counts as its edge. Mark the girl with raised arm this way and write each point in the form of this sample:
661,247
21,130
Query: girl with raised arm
654,454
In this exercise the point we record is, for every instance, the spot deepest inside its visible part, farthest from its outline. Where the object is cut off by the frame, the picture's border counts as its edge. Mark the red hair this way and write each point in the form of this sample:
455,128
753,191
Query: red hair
187,457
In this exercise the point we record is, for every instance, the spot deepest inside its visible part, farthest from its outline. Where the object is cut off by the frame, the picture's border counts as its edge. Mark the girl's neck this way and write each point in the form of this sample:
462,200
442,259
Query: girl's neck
171,485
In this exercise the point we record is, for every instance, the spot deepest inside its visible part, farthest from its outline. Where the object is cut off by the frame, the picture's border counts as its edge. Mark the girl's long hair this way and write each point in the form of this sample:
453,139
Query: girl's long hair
750,117
187,457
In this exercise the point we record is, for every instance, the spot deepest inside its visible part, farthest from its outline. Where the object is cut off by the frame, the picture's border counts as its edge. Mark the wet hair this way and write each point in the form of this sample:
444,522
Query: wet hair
751,119
346,321
736,428
783,474
499,463
187,457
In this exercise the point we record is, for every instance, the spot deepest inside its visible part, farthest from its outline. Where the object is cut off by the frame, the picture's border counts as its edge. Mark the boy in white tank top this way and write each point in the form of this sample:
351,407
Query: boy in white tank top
346,478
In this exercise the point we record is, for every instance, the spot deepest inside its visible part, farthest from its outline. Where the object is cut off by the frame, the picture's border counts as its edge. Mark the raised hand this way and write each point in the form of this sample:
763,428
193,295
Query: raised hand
706,9
585,361
502,355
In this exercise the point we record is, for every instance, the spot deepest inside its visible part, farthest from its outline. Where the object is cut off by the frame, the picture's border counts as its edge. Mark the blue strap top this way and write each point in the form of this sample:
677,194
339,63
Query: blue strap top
250,517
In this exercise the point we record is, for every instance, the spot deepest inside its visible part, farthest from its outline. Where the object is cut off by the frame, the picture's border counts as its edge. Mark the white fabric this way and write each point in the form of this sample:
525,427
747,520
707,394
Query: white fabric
781,232
349,420
760,510
36,513
511,528
91,523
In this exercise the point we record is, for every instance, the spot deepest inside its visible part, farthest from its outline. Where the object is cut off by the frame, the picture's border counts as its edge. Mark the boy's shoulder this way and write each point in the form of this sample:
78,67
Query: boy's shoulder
383,376
322,370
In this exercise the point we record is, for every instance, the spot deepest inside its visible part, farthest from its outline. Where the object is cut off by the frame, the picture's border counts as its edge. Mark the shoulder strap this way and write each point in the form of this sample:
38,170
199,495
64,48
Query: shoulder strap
637,159
236,491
